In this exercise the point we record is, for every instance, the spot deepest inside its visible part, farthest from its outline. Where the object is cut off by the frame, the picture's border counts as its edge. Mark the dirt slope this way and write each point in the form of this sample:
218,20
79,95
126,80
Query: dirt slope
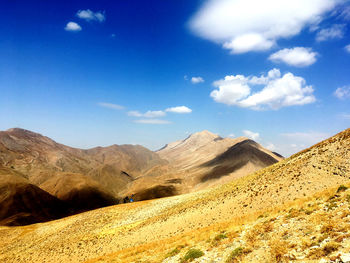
132,232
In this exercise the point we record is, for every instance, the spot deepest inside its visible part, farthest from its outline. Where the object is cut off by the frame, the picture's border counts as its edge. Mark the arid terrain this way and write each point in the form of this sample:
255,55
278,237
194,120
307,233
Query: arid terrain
294,210
82,180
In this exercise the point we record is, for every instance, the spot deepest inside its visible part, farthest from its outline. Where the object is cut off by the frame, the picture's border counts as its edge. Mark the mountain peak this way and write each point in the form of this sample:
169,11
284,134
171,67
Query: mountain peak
22,132
204,134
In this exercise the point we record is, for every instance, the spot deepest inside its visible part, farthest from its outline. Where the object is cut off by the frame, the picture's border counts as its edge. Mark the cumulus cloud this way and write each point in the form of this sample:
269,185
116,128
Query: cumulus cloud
297,56
179,109
89,15
152,121
342,93
278,91
196,80
252,135
110,105
148,114
347,48
72,26
334,32
255,25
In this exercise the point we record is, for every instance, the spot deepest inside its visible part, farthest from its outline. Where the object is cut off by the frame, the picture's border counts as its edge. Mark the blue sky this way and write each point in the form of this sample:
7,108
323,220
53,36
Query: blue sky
89,73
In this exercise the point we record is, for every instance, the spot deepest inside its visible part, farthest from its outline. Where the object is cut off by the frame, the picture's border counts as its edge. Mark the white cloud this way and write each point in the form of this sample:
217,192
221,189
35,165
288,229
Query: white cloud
271,147
72,26
231,135
255,25
248,42
278,91
297,56
110,105
231,89
347,48
196,80
152,121
179,109
252,135
334,32
148,114
89,15
342,93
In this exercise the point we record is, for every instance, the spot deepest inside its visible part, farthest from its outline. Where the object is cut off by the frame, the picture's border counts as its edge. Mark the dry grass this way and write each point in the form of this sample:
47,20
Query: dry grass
278,250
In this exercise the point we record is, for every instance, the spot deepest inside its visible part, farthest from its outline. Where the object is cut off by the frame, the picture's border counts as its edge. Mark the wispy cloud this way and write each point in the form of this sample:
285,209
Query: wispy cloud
305,138
333,32
110,106
179,109
152,121
347,48
279,91
252,135
297,56
345,116
196,80
342,93
148,114
255,25
89,15
72,26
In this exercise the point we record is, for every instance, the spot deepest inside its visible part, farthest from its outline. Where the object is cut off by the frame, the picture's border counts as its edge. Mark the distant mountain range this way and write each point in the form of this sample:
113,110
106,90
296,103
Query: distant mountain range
76,180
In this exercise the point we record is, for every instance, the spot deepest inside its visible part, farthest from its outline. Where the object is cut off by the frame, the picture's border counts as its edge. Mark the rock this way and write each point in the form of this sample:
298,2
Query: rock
345,258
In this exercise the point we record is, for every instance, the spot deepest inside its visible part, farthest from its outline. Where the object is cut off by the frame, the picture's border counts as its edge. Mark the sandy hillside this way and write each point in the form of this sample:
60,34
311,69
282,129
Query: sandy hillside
146,231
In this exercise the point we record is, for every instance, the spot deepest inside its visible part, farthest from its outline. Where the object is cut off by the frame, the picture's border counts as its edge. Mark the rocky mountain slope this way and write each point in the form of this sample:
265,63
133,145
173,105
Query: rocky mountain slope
84,179
294,210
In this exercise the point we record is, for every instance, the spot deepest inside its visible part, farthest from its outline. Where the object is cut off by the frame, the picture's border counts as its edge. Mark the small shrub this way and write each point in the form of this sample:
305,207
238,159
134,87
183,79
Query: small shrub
324,251
192,254
342,188
330,247
293,213
237,252
278,249
172,253
220,236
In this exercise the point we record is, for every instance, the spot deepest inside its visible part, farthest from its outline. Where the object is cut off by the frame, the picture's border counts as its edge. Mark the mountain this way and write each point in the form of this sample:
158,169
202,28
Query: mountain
205,159
22,203
86,179
294,210
103,176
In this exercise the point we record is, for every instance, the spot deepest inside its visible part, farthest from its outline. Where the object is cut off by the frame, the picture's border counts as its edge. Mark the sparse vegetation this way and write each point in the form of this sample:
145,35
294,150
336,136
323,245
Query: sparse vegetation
278,249
342,188
173,252
237,252
192,254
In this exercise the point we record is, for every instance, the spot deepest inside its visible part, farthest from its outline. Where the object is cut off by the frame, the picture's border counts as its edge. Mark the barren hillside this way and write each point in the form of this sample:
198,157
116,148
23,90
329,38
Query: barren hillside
211,220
